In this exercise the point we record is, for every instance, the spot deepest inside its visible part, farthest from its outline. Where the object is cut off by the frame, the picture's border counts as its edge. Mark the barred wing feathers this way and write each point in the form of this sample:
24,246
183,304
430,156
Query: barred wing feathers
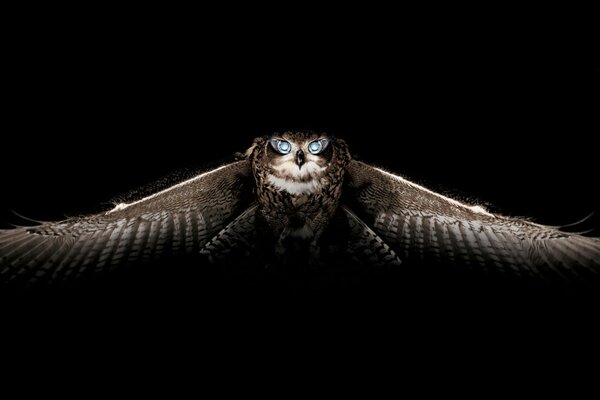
424,226
178,220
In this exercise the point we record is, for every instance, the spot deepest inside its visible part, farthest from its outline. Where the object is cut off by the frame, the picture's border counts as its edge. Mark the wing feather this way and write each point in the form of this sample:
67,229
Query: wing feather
423,225
177,220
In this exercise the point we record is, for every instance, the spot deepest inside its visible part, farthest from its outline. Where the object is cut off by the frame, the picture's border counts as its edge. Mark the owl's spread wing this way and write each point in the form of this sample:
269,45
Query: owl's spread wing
362,244
178,220
424,226
238,238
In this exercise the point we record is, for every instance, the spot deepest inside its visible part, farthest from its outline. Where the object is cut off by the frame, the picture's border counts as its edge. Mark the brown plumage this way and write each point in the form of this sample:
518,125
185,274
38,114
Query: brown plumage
300,196
298,199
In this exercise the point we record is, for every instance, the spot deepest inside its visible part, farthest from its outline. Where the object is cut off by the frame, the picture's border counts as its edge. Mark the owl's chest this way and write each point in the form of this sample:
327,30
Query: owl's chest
280,200
280,197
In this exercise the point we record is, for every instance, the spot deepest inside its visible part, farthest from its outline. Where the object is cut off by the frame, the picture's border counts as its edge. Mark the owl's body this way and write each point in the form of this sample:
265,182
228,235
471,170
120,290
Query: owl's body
290,197
298,193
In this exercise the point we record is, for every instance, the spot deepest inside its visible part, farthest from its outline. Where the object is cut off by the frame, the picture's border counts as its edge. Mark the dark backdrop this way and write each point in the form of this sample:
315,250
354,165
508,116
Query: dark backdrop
88,119
95,108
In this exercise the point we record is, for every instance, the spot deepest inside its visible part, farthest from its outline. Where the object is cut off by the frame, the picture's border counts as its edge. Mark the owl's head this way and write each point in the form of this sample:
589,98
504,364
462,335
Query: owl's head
299,156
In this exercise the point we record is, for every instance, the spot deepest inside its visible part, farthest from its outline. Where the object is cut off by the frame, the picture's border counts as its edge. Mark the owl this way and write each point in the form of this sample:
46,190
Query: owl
299,178
296,200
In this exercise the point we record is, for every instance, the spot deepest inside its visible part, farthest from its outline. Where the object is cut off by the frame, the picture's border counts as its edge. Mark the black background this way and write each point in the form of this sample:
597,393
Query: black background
87,119
91,113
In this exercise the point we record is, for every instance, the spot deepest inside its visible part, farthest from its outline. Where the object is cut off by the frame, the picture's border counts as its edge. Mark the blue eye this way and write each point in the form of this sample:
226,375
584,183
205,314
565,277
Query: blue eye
282,146
318,146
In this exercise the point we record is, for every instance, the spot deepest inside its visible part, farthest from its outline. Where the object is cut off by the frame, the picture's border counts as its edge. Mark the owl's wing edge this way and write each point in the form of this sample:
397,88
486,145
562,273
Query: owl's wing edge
177,220
427,227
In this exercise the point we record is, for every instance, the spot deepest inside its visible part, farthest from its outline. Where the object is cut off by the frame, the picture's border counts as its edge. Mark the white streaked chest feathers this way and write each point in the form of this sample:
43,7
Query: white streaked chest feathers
295,187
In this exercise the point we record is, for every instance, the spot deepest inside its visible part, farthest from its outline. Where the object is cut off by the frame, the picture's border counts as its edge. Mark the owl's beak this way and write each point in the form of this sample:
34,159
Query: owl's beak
300,158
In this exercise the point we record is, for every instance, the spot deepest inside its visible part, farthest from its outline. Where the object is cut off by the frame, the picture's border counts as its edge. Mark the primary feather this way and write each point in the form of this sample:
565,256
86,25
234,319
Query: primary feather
424,226
363,213
177,220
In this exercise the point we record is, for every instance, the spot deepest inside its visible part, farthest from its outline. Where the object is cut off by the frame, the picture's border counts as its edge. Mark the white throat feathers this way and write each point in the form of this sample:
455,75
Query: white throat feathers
286,174
295,187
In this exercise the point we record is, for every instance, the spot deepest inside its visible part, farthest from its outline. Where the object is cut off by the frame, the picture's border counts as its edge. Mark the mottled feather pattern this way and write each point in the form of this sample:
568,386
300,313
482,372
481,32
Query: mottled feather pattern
235,210
181,220
238,238
424,226
277,205
365,246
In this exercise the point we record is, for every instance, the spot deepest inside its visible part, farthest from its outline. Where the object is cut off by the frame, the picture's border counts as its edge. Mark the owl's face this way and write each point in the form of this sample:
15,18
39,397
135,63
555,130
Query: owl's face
299,156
